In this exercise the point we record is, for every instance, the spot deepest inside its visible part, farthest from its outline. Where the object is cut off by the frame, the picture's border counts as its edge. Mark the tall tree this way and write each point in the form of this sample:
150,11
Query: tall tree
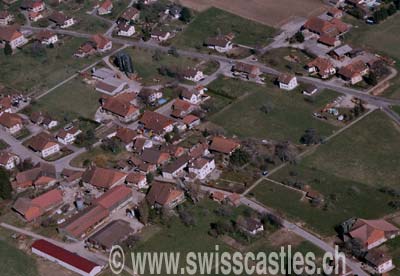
8,50
5,185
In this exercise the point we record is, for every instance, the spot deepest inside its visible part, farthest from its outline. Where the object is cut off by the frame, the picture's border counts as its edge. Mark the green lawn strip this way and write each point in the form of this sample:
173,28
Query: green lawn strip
27,73
291,115
213,21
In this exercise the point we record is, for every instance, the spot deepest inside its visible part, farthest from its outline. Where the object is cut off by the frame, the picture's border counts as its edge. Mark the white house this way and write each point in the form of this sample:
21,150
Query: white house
12,36
202,167
381,262
250,225
105,7
49,123
61,20
160,35
126,30
287,82
44,144
12,123
68,136
6,18
193,74
221,43
47,37
192,96
137,180
9,160
175,168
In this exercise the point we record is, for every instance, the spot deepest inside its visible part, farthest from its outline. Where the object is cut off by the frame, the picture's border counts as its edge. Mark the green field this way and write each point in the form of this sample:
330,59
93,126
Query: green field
69,101
383,38
27,73
214,21
291,115
147,66
348,171
14,262
289,60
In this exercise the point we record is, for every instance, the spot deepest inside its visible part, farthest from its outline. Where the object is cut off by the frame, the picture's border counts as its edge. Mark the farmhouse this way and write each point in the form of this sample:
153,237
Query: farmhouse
127,137
223,145
137,180
160,35
47,37
11,35
250,225
103,178
354,72
125,29
123,110
330,41
9,160
373,233
321,27
35,16
202,167
31,209
5,105
131,14
12,123
43,143
191,121
105,7
181,108
41,175
322,66
193,74
164,195
33,5
176,167
245,70
287,82
193,96
65,258
68,136
221,43
156,123
61,20
101,43
379,261
154,156
6,18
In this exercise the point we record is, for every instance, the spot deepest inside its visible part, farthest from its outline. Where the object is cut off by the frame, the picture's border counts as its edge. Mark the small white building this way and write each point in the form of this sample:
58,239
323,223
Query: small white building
9,160
126,30
68,136
221,43
381,262
287,82
6,18
160,35
193,74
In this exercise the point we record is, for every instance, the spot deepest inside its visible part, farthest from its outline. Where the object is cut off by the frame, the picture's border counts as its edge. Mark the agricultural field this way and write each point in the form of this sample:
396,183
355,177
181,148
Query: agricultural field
62,103
29,72
348,171
269,12
290,115
213,21
16,262
382,38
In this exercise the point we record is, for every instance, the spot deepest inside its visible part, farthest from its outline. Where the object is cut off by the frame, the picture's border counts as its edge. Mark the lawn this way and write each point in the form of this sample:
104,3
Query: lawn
100,157
146,64
289,117
289,60
69,101
383,38
368,153
214,21
14,262
396,109
28,73
344,199
348,171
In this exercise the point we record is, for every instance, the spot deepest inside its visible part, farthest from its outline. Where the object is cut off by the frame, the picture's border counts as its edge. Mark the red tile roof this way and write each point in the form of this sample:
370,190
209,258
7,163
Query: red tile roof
10,120
102,178
64,255
223,145
114,197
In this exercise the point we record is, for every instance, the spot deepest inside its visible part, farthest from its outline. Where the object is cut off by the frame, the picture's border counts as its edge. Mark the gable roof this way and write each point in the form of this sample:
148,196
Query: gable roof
41,141
100,41
353,69
102,178
163,193
155,121
10,120
223,145
114,196
9,33
126,135
285,78
369,231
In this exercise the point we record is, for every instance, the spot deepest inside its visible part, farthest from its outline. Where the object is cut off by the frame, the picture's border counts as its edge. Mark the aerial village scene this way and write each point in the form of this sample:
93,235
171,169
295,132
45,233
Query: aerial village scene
179,125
